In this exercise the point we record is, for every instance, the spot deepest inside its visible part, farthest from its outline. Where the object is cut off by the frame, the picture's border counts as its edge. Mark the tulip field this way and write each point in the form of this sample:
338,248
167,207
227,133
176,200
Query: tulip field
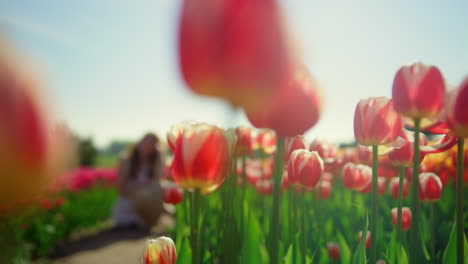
262,191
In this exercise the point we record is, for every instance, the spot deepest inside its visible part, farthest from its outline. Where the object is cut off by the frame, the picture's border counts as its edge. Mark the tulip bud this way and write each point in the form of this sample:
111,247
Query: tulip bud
291,144
376,122
160,251
244,140
418,90
381,181
305,168
264,187
172,194
403,156
394,186
405,218
333,250
323,189
380,261
202,156
456,112
265,141
430,187
368,234
323,148
356,177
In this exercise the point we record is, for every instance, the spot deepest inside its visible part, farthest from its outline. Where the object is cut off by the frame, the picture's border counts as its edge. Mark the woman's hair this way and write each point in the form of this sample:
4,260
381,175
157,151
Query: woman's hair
135,159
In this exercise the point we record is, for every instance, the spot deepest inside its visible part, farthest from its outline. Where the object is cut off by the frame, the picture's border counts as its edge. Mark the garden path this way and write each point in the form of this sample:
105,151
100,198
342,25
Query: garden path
116,247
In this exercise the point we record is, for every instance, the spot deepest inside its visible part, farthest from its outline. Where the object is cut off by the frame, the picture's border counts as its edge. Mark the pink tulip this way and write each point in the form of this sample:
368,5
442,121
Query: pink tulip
418,90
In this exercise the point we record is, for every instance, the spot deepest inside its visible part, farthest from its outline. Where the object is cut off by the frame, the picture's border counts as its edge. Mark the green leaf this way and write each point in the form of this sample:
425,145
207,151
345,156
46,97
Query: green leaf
392,249
360,253
253,241
345,252
450,253
403,257
289,254
184,253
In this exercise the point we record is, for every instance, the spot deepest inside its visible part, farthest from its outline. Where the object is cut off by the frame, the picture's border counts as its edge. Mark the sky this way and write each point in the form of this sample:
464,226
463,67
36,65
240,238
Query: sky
112,72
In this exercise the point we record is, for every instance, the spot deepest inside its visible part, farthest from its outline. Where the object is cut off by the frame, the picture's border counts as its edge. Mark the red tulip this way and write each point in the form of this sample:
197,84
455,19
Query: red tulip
264,187
244,140
381,181
333,250
456,109
403,156
323,189
291,144
305,168
323,148
405,218
31,148
356,177
172,194
430,187
160,251
236,50
368,235
292,115
376,122
365,155
265,141
394,187
202,156
418,91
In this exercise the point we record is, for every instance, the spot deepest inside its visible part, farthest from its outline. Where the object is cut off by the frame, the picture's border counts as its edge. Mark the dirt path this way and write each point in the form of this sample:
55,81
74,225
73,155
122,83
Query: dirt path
110,246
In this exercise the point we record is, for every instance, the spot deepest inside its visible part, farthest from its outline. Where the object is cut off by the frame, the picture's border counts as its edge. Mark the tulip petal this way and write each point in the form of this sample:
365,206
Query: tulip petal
445,143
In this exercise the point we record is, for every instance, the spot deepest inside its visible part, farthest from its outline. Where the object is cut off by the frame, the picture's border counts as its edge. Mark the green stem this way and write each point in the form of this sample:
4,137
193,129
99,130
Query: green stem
460,224
292,192
374,216
242,193
400,200
275,230
303,229
432,216
415,240
195,226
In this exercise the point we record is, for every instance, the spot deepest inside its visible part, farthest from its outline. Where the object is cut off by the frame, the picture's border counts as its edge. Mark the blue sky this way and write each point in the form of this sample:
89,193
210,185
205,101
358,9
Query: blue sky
112,65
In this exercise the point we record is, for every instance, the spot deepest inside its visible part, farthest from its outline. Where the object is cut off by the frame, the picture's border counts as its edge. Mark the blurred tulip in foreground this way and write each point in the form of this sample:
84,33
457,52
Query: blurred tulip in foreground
418,90
305,168
236,50
376,122
405,218
160,251
202,156
430,187
292,115
32,150
333,250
